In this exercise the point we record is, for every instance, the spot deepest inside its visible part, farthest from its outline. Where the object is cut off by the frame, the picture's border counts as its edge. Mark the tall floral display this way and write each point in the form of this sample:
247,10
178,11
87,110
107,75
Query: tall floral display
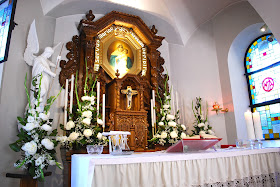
84,126
201,125
169,131
36,137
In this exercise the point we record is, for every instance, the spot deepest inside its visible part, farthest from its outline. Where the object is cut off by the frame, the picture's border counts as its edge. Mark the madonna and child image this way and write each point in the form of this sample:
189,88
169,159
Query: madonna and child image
120,57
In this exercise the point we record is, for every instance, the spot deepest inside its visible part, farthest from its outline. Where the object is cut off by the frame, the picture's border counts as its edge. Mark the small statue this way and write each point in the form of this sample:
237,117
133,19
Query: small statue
41,64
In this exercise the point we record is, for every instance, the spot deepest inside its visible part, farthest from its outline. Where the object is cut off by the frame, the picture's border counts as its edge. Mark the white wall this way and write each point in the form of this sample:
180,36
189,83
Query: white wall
269,12
227,25
200,68
238,80
13,98
194,70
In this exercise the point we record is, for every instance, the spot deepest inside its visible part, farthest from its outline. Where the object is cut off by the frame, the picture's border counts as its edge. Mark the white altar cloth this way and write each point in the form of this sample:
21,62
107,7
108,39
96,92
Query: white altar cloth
173,169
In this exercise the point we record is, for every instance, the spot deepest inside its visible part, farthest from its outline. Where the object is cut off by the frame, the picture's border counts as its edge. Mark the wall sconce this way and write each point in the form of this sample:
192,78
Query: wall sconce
264,28
216,107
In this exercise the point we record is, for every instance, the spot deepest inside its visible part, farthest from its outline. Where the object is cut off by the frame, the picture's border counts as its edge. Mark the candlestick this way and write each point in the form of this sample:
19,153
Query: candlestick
66,101
71,93
98,98
250,126
257,125
103,111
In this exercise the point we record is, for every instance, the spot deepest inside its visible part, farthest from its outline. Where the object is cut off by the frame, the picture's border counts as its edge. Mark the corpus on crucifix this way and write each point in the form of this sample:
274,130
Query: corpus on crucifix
129,93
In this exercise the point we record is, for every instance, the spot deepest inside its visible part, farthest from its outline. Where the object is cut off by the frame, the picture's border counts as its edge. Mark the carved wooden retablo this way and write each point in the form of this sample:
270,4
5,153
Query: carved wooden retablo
122,51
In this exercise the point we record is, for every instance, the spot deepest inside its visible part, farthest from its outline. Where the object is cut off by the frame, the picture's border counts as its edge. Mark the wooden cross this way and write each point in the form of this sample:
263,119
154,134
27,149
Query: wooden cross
129,93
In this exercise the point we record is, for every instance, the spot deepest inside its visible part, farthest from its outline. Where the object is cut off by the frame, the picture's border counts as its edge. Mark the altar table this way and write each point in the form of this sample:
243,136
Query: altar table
231,167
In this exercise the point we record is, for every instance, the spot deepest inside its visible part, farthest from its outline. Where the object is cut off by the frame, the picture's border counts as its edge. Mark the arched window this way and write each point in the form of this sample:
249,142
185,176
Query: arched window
262,69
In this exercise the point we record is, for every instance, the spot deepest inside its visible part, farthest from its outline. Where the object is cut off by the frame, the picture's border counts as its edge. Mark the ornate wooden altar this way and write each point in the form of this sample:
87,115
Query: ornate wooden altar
122,51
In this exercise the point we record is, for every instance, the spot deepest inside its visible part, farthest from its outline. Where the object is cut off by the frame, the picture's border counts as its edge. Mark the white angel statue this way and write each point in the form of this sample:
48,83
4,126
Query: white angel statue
41,64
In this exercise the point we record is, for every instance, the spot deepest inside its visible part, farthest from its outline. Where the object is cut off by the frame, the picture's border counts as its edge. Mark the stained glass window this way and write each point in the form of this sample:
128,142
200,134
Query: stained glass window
262,64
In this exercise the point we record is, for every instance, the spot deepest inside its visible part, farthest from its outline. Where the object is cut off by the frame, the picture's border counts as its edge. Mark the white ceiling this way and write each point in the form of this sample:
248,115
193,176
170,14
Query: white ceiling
174,19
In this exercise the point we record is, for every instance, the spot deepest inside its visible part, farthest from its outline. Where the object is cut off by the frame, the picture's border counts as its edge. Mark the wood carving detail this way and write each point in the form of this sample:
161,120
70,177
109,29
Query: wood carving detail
70,67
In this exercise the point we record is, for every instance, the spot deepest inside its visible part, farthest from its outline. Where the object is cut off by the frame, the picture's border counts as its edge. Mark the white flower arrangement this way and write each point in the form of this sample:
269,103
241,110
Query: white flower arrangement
36,137
83,127
201,125
169,131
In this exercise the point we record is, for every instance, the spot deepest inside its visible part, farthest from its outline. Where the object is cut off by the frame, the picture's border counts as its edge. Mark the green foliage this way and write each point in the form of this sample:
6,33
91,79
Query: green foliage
169,131
26,90
83,117
201,124
21,120
35,128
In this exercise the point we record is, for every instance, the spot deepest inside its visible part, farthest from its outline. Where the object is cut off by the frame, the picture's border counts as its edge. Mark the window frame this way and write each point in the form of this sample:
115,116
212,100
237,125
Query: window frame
252,106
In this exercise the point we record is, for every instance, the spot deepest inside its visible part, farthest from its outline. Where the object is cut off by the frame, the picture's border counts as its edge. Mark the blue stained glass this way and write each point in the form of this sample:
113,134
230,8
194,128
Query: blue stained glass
274,115
263,117
265,131
274,122
265,82
269,126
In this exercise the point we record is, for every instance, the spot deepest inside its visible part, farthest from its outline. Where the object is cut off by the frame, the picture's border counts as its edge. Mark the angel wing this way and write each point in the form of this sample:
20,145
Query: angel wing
32,45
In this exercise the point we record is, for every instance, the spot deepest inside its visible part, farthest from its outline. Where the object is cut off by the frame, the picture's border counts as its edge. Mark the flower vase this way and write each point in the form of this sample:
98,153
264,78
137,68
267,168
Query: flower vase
95,149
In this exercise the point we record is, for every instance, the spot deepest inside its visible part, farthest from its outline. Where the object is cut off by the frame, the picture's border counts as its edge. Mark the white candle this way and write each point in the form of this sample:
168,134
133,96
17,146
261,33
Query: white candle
98,98
172,102
71,93
183,111
153,95
177,105
177,102
257,125
103,111
154,105
152,112
66,101
250,126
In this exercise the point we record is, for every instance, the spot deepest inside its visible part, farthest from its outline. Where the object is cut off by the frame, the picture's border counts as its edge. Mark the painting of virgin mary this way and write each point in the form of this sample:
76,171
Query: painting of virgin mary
120,59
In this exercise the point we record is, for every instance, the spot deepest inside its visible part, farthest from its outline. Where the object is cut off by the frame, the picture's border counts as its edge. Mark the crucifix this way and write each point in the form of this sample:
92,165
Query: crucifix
129,93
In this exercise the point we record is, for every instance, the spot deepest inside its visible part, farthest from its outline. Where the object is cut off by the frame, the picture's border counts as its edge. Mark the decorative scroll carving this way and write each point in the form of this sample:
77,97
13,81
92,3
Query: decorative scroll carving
111,122
90,16
140,136
136,123
154,30
70,67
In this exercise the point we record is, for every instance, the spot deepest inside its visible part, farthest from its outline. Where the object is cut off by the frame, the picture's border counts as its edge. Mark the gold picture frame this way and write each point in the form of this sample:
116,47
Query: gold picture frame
120,49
